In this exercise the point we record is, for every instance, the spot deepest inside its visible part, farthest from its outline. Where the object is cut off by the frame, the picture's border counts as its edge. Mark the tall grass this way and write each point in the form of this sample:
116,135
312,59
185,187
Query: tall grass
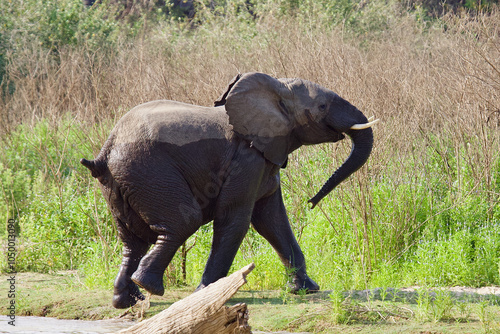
424,210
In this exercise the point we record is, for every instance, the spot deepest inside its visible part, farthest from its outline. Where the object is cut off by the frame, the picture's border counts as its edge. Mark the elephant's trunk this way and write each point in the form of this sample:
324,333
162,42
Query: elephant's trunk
362,143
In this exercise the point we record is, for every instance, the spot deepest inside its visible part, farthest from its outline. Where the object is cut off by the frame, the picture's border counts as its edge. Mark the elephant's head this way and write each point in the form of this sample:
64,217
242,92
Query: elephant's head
278,116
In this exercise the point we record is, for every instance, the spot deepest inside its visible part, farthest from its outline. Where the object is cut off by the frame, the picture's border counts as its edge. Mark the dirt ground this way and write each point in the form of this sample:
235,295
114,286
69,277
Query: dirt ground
443,310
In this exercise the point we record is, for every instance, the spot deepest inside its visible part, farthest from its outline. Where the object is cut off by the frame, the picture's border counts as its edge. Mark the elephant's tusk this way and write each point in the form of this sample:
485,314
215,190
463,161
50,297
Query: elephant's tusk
364,126
371,118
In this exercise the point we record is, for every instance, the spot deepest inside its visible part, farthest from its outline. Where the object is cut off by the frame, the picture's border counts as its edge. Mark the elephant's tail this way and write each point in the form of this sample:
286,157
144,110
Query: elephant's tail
96,167
99,166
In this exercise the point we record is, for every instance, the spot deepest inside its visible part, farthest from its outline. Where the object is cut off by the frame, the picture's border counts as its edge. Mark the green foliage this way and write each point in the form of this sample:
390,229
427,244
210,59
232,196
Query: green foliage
443,305
62,219
461,258
53,231
339,313
101,264
435,8
14,187
356,16
424,303
56,24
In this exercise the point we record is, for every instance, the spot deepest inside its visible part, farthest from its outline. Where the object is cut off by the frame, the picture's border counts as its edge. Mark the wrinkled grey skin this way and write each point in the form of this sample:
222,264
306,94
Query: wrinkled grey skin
168,167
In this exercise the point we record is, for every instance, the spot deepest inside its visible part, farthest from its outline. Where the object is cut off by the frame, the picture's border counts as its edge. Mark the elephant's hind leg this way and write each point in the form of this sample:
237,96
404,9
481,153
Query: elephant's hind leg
165,203
149,274
173,228
126,293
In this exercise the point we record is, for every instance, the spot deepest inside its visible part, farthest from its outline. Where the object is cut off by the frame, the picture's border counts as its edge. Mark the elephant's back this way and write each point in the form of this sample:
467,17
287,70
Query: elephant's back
172,122
165,145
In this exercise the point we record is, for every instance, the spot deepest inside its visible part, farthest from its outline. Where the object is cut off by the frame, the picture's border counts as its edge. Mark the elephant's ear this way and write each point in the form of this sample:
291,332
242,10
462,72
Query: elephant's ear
222,99
257,109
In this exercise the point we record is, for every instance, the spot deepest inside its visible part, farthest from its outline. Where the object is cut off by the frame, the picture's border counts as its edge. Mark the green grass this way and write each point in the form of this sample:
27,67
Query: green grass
64,295
62,221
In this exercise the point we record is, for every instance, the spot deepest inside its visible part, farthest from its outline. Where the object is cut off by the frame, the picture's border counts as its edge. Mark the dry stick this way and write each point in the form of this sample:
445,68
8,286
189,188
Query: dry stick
203,311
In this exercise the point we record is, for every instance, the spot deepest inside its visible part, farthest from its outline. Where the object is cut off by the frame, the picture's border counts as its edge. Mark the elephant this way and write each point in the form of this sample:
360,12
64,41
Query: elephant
169,167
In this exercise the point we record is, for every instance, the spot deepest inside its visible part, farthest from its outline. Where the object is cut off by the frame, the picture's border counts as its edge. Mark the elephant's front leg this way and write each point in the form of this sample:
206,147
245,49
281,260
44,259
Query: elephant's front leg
270,220
232,213
229,232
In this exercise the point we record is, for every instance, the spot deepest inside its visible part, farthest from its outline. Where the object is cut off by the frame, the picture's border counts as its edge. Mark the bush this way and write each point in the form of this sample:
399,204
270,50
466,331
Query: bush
57,24
62,220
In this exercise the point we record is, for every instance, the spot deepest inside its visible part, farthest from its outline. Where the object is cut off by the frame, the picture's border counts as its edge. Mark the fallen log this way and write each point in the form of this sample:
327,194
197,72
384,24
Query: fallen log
203,311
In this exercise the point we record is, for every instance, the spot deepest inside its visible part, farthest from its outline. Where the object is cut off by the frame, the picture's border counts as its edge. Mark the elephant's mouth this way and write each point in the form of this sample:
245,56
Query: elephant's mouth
329,133
336,135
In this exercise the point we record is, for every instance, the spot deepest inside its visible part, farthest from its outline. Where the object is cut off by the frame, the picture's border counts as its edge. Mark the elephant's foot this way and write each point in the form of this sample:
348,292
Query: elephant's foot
151,282
127,297
300,284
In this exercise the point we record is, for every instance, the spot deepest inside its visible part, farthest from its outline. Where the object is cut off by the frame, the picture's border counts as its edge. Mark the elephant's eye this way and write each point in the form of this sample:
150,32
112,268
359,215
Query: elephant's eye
322,107
283,107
